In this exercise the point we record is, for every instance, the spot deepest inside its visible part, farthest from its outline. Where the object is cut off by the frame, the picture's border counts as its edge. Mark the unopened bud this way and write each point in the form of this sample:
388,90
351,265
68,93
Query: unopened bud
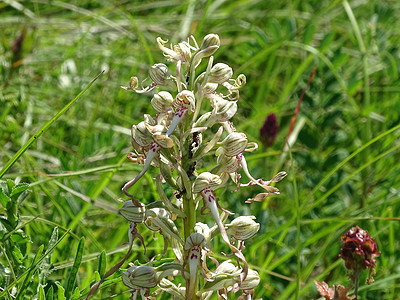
132,212
224,110
159,73
205,180
220,73
210,88
162,101
252,280
228,164
195,240
141,135
234,144
210,44
208,47
243,227
219,282
226,268
138,277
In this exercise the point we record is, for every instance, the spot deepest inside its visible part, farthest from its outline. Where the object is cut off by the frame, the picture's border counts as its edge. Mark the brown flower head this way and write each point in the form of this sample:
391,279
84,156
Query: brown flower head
359,251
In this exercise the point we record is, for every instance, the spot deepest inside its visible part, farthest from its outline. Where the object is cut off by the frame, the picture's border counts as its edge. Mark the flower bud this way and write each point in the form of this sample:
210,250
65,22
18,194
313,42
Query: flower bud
138,277
234,144
227,268
159,73
203,120
220,73
204,180
195,240
243,227
162,101
252,280
156,213
223,110
185,99
210,44
141,135
208,47
210,88
228,164
219,282
132,212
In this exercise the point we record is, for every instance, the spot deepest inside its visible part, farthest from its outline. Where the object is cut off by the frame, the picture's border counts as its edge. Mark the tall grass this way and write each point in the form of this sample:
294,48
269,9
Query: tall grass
343,165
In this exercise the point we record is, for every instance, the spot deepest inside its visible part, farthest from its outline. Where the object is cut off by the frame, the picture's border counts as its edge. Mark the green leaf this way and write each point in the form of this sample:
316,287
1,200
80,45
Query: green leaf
97,276
77,294
49,294
46,267
6,224
12,213
53,238
4,187
309,34
102,263
29,276
75,267
19,238
326,42
60,291
41,295
10,185
18,190
4,199
16,252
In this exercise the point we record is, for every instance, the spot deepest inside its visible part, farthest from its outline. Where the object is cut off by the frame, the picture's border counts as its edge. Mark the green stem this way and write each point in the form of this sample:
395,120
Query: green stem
356,283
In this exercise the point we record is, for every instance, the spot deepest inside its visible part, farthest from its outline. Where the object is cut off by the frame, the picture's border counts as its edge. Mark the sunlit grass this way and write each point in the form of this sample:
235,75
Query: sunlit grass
345,160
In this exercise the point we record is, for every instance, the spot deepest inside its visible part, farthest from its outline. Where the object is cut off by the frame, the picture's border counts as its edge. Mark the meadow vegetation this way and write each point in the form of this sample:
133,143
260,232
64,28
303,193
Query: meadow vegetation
342,157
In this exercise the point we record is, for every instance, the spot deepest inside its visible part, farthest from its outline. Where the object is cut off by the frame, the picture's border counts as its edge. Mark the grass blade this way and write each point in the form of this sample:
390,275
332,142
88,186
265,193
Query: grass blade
44,128
75,267
102,263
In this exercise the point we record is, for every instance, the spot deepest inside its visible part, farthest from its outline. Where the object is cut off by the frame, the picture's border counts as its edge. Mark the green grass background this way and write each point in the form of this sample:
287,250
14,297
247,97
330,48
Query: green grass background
350,105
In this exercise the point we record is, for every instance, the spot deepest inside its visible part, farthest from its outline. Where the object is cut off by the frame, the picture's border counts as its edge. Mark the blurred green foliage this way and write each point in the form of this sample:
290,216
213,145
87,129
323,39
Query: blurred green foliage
50,50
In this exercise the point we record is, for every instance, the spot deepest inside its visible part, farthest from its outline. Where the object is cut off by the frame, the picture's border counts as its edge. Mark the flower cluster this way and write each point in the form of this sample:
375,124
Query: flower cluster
269,130
192,120
359,251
